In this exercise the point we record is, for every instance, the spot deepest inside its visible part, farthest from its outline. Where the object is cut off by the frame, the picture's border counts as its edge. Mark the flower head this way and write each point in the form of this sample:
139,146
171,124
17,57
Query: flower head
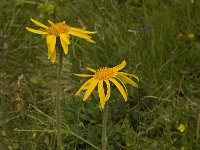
181,128
105,76
62,30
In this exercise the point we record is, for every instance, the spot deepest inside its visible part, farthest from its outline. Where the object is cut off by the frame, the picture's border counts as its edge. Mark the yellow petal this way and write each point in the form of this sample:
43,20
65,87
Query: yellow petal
53,57
90,69
84,86
108,90
131,75
82,35
36,31
121,79
79,34
65,38
89,40
127,80
49,38
101,94
50,22
82,30
49,51
120,88
124,87
53,44
83,75
38,23
64,46
120,66
90,89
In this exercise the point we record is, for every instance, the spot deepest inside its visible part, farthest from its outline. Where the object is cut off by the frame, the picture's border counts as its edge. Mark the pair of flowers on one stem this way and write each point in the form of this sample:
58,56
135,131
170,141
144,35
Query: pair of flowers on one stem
101,76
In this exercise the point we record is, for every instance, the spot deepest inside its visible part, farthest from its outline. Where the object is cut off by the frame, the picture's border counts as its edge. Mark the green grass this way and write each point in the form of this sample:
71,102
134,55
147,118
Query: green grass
142,32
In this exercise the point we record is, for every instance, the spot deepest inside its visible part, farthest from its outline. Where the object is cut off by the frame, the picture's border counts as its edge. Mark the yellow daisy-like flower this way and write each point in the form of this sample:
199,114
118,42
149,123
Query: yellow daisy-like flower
181,128
62,30
107,75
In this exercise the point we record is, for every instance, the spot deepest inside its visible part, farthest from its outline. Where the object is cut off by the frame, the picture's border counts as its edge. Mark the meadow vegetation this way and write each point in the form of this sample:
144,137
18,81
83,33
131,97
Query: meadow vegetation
160,41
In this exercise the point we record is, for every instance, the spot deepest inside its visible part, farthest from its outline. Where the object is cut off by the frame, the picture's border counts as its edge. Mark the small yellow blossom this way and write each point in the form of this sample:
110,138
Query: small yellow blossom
180,35
62,30
182,148
181,128
81,124
107,75
191,36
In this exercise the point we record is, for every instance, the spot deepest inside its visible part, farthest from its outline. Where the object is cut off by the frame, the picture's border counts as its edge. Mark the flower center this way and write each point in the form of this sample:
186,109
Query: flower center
58,28
104,74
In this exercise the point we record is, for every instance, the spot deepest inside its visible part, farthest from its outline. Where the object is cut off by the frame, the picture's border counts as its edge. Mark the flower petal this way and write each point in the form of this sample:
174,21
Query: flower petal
101,94
38,23
123,84
53,44
90,69
65,38
79,34
120,88
120,66
49,51
36,31
127,80
82,35
84,86
108,90
49,38
82,30
53,57
89,40
64,45
51,22
126,74
90,89
83,75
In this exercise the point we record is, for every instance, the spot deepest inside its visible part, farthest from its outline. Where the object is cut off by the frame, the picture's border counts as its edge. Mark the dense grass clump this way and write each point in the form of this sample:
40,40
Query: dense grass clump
159,39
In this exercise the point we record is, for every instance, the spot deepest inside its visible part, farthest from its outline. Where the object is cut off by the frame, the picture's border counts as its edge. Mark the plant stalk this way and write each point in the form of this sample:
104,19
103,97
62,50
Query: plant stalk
58,110
104,139
198,129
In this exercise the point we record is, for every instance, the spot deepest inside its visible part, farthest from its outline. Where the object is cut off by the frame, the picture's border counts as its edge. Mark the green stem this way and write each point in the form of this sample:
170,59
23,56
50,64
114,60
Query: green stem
68,131
198,129
58,111
104,128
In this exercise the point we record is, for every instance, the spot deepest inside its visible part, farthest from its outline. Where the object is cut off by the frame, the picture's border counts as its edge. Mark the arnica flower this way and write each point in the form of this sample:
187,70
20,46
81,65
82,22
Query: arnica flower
107,75
181,128
62,30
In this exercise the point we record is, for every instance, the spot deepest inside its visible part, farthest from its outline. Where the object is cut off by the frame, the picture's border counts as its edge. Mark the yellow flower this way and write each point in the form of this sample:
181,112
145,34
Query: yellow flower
191,36
180,35
182,148
181,127
62,30
107,75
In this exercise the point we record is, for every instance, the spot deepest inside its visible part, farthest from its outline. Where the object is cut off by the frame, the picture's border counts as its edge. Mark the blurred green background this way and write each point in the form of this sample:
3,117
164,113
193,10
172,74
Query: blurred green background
151,35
